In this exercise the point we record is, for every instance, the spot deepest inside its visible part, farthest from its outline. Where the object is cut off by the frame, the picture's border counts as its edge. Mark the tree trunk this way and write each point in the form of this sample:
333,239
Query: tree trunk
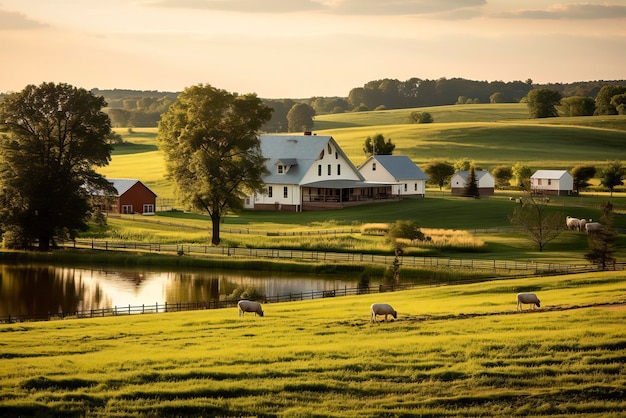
44,243
215,240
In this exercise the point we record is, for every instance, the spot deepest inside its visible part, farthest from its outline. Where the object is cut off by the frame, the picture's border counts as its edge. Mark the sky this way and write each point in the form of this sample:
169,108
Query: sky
306,48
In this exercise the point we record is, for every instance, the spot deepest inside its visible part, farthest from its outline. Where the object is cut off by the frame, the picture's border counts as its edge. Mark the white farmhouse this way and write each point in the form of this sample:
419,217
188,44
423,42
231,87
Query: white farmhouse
409,178
311,172
552,182
486,182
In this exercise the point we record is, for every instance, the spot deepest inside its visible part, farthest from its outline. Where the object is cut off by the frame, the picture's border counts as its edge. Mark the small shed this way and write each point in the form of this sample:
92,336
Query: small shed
486,182
133,197
552,182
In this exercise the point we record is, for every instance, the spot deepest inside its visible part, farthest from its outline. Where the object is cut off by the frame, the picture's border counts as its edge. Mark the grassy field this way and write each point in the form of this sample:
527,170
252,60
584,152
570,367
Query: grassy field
472,357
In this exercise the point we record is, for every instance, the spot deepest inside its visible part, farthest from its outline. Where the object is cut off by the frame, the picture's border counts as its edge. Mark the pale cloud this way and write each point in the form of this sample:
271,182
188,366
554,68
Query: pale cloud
576,11
245,6
17,21
401,7
339,7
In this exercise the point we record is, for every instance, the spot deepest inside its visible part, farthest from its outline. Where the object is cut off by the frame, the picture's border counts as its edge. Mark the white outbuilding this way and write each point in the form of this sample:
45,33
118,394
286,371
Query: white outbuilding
485,181
552,182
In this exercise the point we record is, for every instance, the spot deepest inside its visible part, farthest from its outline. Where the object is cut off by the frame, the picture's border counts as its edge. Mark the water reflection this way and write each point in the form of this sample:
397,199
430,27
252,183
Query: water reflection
29,290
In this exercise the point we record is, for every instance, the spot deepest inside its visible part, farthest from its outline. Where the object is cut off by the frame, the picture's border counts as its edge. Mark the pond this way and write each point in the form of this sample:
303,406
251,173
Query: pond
40,289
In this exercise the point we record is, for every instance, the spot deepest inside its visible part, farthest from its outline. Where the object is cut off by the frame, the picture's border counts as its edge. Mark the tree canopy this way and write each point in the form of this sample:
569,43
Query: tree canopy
439,172
613,175
212,151
378,146
502,175
581,175
542,103
53,137
522,174
300,118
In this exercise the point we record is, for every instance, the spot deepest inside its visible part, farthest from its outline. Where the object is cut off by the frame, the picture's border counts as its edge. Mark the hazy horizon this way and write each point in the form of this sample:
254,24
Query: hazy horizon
306,48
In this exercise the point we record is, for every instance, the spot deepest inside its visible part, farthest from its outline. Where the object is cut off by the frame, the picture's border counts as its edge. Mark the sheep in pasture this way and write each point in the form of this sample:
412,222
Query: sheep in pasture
528,298
593,227
581,225
572,223
249,306
381,309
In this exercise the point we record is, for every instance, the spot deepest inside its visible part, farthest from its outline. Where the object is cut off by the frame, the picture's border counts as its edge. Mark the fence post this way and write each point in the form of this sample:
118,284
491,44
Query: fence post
156,307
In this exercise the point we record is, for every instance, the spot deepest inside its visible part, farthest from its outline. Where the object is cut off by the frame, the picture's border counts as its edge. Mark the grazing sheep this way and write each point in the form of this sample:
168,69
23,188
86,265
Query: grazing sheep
581,226
593,227
249,306
381,309
572,223
529,298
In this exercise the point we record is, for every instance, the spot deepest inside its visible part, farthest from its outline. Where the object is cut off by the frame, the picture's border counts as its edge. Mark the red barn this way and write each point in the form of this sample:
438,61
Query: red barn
133,197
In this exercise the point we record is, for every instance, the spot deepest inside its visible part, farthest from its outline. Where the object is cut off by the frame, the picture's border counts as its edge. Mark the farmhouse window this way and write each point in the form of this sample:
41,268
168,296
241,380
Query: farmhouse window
549,182
270,191
329,169
319,169
415,186
127,208
373,166
336,155
285,192
338,169
405,187
148,208
330,150
280,169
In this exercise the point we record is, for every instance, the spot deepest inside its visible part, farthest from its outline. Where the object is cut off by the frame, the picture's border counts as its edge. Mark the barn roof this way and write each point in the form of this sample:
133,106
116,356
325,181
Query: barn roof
124,185
549,174
479,174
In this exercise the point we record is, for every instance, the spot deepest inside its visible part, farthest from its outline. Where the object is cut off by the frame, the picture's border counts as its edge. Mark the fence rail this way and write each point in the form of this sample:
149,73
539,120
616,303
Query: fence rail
192,306
499,267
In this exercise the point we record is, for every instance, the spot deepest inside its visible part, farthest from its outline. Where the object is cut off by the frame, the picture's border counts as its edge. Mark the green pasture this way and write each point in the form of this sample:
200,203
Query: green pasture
453,351
488,134
486,219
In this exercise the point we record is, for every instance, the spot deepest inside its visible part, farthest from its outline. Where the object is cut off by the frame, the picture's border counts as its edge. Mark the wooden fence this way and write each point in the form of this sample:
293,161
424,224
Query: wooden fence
192,306
497,267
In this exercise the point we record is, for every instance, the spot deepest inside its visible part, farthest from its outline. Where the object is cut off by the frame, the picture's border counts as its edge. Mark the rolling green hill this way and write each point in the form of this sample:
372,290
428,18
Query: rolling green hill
488,134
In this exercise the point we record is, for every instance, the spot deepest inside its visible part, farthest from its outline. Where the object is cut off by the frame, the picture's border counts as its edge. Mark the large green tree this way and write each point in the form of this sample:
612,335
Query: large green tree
439,172
53,137
522,174
542,103
300,118
578,106
604,97
212,150
582,174
613,175
502,174
378,146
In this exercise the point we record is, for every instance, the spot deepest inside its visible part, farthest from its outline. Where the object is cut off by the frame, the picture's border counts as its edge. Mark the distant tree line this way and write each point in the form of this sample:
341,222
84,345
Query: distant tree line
136,108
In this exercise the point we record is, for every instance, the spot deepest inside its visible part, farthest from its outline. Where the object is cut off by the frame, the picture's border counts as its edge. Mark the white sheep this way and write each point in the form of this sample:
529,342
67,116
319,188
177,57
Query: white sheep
581,226
249,306
528,298
593,226
572,223
381,309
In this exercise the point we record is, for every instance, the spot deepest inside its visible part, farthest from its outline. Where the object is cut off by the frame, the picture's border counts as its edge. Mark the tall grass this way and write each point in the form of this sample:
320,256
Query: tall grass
453,351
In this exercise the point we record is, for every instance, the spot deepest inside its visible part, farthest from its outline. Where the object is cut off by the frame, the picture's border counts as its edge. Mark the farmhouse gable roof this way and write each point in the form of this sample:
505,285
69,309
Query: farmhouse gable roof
299,152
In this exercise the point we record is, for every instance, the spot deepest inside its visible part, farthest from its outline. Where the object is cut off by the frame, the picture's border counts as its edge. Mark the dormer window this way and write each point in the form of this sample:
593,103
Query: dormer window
280,169
373,166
